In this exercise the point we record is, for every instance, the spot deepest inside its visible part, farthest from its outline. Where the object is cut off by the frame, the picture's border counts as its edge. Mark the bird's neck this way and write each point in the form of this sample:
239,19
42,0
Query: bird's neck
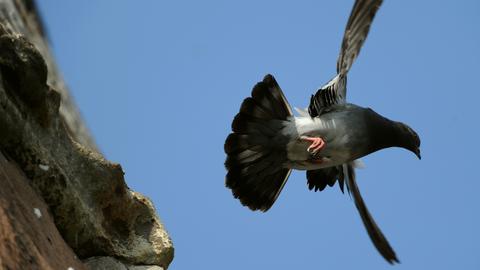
385,138
386,133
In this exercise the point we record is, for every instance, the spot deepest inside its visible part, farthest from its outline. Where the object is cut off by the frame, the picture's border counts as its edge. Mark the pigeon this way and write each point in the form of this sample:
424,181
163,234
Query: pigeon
326,140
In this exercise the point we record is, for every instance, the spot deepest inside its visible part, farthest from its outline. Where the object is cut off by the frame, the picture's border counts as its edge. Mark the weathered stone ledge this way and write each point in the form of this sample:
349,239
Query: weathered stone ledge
91,205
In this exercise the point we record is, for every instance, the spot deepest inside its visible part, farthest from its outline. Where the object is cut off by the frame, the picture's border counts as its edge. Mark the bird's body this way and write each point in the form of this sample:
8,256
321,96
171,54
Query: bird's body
268,141
344,130
349,131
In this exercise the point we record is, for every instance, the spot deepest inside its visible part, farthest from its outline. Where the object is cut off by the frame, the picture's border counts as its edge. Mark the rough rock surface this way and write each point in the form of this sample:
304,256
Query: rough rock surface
109,263
21,17
91,205
28,236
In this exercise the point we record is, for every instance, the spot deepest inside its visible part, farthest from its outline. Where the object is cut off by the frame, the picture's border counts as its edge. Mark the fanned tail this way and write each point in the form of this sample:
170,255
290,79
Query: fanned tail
256,147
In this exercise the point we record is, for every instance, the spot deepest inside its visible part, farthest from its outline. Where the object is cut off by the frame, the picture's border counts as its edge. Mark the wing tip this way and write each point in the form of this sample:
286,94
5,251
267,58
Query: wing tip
393,260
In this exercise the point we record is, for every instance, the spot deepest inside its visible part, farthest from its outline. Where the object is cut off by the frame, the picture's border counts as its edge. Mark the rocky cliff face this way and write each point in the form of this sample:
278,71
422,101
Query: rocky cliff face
29,238
48,155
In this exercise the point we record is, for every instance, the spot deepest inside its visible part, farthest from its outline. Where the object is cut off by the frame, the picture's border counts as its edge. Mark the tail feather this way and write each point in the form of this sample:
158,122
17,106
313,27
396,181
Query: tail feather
248,156
245,124
255,154
269,96
239,142
251,107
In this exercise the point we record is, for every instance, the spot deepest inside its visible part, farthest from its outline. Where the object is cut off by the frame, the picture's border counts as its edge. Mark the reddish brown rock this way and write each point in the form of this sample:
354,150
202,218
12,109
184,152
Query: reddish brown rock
28,236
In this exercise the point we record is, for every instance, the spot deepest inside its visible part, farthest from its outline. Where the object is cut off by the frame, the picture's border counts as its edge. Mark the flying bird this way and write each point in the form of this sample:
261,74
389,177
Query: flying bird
327,140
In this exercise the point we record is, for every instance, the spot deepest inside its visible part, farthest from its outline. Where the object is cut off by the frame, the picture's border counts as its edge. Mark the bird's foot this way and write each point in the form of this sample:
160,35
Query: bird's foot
316,145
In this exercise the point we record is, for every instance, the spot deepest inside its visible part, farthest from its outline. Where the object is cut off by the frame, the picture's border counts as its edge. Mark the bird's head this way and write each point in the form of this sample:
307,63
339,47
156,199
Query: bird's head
389,133
408,138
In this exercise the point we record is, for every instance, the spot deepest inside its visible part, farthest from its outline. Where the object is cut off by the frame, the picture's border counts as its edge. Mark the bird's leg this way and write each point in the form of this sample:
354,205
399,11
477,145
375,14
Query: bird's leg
317,144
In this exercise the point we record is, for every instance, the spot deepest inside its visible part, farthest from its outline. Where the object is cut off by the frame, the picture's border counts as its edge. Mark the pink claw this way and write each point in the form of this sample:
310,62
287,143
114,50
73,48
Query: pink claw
317,144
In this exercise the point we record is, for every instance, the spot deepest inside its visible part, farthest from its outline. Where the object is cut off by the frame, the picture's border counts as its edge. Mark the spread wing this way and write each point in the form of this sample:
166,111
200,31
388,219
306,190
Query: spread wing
358,25
356,32
334,92
373,230
345,173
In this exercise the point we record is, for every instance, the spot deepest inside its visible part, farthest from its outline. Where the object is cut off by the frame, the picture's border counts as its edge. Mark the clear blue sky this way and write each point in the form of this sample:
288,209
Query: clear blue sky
158,83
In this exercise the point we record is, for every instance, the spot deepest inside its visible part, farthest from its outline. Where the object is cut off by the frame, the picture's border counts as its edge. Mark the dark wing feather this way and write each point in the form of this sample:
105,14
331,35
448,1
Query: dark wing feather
358,25
373,230
356,32
319,179
333,93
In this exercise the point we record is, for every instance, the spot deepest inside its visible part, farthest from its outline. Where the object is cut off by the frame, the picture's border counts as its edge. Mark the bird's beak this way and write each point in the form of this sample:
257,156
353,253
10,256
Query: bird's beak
417,152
